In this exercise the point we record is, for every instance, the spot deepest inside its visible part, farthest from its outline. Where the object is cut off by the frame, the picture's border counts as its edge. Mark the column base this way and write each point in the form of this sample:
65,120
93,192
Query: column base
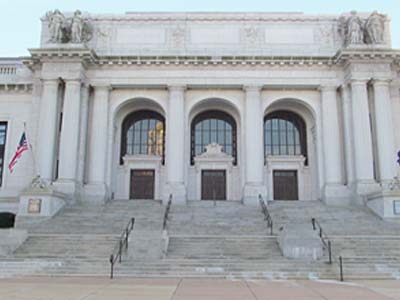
70,188
337,194
96,193
178,191
251,193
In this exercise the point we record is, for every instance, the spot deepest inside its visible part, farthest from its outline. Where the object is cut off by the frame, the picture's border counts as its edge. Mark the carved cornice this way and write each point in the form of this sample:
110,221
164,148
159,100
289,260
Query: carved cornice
89,58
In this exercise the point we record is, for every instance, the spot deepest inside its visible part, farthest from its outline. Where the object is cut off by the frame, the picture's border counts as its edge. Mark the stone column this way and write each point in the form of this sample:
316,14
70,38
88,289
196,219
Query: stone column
384,131
254,147
364,170
83,134
47,136
175,144
333,189
96,189
69,139
348,134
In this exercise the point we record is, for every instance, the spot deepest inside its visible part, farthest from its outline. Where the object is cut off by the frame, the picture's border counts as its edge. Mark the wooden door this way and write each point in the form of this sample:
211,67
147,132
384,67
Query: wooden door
285,185
142,184
213,185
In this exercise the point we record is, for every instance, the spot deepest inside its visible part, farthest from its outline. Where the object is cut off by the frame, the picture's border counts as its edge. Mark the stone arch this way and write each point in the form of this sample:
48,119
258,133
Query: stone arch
119,112
312,171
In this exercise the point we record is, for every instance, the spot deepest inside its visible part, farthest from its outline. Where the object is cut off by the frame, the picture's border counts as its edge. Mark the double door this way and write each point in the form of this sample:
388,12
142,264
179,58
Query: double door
213,185
142,184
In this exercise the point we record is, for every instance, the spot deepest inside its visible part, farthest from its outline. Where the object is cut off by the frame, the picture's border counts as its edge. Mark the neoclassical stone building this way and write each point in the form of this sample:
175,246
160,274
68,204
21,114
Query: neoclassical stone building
205,106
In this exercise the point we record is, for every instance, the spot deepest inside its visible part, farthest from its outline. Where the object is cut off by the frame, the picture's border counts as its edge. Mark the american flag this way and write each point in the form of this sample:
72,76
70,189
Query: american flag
22,146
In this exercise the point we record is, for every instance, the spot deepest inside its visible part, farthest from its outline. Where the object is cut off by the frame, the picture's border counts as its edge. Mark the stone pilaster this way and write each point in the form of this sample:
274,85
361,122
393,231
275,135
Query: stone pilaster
334,189
364,170
175,145
96,189
47,136
254,149
348,134
69,139
384,131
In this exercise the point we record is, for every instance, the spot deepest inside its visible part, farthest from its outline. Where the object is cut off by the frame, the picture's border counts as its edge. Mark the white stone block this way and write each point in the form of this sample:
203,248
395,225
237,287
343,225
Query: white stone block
40,203
384,204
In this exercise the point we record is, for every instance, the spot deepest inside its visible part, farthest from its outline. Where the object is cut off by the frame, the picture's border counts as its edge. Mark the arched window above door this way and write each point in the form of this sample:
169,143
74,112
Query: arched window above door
143,133
213,126
284,134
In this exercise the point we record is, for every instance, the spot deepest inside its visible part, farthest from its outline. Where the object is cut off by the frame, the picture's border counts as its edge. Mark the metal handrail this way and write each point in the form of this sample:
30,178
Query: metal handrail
122,243
166,214
267,216
328,244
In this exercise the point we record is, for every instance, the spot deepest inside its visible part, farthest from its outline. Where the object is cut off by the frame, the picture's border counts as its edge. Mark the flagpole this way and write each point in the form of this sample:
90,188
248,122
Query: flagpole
27,136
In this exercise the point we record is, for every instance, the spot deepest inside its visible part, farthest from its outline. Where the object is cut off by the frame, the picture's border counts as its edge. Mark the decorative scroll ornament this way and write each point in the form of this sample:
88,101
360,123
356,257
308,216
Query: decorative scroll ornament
251,35
394,184
76,29
38,183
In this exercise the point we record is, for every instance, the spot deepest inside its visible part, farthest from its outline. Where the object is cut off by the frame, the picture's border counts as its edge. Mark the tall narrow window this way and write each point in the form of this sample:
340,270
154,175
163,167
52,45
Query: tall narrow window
213,127
143,132
284,134
3,135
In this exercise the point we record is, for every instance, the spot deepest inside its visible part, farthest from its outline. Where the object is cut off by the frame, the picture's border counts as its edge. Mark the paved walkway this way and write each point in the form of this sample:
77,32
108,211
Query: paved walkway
191,289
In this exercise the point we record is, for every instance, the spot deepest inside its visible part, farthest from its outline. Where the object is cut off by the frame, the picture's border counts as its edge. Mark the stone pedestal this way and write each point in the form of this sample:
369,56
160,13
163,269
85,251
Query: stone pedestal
11,239
385,203
252,192
337,194
96,193
300,242
40,202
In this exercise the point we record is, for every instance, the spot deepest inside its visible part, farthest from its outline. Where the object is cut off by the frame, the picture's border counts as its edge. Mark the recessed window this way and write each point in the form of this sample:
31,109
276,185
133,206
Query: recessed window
3,135
213,127
143,132
284,134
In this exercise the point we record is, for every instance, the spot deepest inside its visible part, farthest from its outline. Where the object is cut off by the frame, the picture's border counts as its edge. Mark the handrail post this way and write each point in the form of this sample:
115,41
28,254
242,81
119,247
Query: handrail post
112,266
330,252
341,268
120,251
272,231
313,223
126,238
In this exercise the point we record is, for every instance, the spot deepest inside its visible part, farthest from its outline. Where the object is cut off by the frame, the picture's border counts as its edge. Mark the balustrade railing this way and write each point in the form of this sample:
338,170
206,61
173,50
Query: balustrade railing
122,244
327,245
267,216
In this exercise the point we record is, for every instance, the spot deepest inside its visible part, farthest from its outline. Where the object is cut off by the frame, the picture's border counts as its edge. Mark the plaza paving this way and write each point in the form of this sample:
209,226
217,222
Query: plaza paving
89,288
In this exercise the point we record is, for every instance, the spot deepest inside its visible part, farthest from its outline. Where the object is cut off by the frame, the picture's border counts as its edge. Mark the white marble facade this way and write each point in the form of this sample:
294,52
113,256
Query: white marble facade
344,84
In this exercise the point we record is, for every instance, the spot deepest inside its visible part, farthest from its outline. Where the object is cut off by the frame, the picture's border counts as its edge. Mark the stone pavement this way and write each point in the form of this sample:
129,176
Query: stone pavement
57,288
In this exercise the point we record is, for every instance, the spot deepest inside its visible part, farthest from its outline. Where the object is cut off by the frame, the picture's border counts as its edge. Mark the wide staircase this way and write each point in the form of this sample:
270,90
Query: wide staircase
204,239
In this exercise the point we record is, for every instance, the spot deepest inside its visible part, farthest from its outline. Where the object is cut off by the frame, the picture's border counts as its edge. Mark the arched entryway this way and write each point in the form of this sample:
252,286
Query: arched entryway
214,160
139,151
290,151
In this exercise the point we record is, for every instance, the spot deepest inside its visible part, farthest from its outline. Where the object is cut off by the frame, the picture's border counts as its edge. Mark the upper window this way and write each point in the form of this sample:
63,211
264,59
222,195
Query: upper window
3,134
213,127
143,132
284,134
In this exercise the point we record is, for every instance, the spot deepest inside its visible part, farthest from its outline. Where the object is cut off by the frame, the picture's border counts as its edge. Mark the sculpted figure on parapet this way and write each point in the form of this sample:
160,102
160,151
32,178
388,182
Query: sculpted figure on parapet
77,27
356,31
74,30
56,24
375,27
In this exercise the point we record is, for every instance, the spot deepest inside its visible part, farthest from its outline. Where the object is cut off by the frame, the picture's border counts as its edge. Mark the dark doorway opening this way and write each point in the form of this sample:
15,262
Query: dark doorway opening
213,185
285,185
142,184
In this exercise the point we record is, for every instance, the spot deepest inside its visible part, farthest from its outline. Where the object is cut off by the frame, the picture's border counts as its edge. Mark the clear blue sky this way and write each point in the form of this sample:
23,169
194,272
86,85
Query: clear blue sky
20,19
